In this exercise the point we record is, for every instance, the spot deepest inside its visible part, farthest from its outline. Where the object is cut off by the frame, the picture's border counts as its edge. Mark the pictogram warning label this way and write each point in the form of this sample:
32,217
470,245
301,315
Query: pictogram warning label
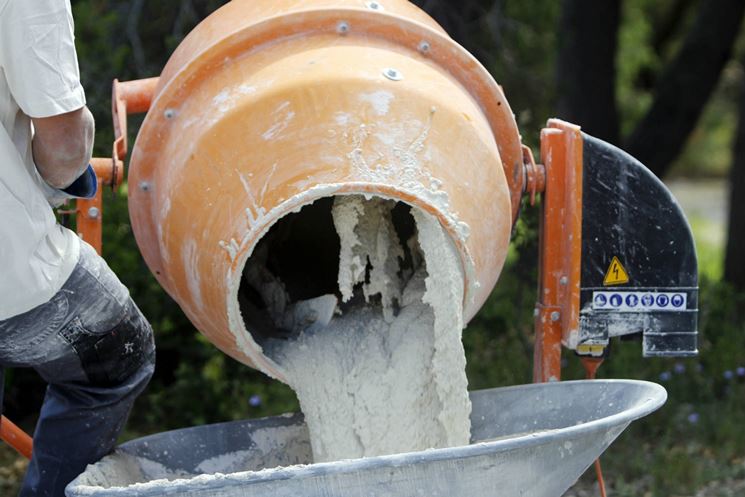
635,301
616,274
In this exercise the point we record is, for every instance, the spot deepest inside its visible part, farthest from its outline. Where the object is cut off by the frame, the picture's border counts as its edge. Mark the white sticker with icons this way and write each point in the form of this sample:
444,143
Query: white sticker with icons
639,301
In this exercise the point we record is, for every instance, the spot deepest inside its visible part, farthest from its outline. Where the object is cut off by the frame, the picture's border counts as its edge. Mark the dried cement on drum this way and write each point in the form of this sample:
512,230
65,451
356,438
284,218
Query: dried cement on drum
387,373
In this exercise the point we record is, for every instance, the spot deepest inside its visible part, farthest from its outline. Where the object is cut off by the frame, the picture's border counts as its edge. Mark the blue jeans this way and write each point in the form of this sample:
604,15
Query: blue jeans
94,347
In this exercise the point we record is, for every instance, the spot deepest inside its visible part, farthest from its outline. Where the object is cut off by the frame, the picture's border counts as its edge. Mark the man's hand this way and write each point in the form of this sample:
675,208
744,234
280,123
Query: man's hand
63,146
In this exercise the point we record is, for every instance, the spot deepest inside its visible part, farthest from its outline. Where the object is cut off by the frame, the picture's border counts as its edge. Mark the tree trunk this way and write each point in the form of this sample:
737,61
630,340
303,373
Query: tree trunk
668,24
686,85
734,267
586,70
664,31
467,23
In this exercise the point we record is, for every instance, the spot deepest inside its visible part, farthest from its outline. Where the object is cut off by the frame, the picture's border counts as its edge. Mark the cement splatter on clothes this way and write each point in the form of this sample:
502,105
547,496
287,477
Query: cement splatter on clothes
387,373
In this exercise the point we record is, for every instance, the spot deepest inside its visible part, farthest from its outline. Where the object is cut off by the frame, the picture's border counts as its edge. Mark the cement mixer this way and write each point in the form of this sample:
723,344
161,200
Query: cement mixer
270,108
290,105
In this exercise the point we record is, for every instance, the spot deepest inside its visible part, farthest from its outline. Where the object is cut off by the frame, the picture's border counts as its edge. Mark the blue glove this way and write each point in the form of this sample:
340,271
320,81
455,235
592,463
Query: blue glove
85,186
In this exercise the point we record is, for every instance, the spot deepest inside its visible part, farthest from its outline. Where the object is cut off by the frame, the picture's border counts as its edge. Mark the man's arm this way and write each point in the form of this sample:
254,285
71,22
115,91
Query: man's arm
37,55
63,145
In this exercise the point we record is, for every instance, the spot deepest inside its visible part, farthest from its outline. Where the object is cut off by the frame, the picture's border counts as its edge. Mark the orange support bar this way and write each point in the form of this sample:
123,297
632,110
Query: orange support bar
89,212
89,219
560,232
130,97
16,437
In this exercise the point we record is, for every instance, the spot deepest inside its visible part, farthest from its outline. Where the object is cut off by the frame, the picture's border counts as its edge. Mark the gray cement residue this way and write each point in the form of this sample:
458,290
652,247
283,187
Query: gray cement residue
378,368
386,374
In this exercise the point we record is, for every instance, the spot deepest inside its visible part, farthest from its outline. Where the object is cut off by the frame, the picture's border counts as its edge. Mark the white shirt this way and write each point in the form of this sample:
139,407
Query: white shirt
39,77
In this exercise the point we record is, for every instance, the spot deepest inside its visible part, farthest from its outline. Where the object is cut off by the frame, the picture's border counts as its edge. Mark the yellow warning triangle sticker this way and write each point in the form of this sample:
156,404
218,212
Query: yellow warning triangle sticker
616,274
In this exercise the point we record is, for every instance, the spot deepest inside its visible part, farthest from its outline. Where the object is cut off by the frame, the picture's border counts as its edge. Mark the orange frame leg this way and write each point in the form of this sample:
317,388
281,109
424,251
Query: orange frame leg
16,437
560,241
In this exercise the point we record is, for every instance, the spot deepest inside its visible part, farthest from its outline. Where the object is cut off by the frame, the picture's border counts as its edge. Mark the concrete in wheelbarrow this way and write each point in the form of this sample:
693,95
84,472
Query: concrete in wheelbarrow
529,440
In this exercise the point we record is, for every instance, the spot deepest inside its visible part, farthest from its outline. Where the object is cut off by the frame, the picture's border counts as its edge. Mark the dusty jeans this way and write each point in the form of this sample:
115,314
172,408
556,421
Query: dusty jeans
93,346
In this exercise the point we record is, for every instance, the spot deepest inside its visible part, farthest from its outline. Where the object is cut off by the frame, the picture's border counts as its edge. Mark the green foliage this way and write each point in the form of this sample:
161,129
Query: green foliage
709,248
708,152
634,55
523,62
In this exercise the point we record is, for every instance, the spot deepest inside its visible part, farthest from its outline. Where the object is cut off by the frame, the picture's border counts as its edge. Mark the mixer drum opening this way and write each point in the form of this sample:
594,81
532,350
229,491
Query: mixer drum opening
288,282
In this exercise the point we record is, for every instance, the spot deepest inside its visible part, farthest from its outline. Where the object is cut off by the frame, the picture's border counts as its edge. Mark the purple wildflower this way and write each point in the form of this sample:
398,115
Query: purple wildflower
728,375
740,371
693,418
679,368
254,400
665,376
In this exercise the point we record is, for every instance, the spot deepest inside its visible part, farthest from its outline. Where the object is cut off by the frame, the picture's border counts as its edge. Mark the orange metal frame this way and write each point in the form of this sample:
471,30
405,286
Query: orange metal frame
89,212
131,97
16,437
560,245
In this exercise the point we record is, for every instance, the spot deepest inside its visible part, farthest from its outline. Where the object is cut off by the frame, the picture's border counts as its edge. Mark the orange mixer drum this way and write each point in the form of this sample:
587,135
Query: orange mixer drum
270,105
